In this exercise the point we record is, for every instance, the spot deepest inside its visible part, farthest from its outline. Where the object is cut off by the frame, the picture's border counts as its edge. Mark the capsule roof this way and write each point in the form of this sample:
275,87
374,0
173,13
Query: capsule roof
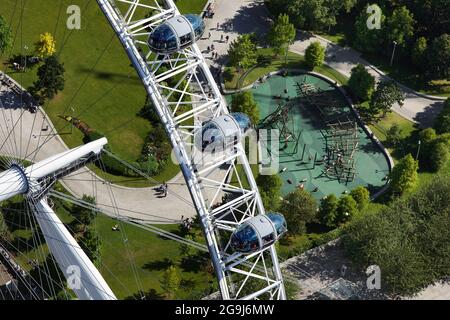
258,232
176,33
223,130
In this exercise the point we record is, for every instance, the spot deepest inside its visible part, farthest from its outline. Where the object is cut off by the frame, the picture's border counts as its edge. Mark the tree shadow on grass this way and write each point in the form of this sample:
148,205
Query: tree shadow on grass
194,263
150,294
158,264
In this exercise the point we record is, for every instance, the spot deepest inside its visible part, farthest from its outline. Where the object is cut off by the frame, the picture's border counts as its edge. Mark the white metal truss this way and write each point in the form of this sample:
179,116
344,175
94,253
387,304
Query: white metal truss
34,182
222,186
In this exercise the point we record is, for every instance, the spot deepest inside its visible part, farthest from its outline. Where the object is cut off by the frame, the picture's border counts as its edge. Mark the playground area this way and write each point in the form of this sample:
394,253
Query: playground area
322,147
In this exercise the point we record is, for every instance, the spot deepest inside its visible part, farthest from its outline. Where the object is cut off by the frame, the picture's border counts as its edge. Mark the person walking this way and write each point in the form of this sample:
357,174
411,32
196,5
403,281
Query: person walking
218,26
209,35
221,38
165,190
227,38
212,47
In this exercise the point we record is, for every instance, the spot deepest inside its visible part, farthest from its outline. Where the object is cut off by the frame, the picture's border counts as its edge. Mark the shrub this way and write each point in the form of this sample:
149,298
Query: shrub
361,82
315,55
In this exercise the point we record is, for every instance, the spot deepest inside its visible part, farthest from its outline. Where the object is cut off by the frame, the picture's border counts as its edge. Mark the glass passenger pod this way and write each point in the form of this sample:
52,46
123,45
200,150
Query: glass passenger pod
222,132
258,233
176,33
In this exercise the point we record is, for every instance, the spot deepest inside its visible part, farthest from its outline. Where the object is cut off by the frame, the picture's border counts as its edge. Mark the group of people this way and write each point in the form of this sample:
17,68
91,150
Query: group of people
162,190
212,49
187,223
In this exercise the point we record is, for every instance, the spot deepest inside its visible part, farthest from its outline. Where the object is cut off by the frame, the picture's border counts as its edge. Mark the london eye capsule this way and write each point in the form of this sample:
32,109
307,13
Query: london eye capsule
258,233
222,132
176,33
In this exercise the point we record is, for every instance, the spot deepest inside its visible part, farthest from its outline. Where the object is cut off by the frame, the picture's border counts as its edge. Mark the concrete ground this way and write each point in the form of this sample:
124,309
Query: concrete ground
320,269
137,203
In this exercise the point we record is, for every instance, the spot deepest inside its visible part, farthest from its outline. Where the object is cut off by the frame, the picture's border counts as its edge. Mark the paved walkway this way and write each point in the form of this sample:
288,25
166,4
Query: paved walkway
33,130
243,16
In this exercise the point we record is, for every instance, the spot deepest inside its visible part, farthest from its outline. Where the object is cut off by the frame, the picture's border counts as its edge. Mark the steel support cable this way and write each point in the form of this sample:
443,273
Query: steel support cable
72,231
125,239
67,242
130,166
35,226
152,229
25,256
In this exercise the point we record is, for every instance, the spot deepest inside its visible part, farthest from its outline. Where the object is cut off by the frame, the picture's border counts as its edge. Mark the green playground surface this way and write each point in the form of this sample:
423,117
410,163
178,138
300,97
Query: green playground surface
308,140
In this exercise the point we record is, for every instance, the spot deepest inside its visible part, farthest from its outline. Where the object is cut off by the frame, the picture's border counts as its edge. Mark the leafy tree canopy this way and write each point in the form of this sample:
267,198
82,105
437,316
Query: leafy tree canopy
299,208
361,82
242,52
404,175
281,34
45,46
244,102
5,36
314,55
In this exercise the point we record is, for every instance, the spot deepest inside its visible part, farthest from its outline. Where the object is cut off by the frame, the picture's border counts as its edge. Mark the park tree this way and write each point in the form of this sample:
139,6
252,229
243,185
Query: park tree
242,52
86,215
384,97
299,208
4,232
362,197
368,40
419,51
270,189
245,102
442,122
312,15
187,250
378,240
91,244
5,36
410,234
400,26
439,57
170,282
315,55
328,210
45,46
404,177
394,135
361,82
281,35
50,79
347,208
427,136
438,156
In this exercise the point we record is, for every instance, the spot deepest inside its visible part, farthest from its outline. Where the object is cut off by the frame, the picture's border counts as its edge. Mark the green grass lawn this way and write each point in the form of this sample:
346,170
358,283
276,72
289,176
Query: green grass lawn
295,61
335,37
408,128
149,253
101,87
380,130
191,6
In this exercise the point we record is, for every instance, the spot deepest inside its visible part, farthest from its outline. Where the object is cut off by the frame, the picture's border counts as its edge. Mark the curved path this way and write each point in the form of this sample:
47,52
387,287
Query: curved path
32,130
243,16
